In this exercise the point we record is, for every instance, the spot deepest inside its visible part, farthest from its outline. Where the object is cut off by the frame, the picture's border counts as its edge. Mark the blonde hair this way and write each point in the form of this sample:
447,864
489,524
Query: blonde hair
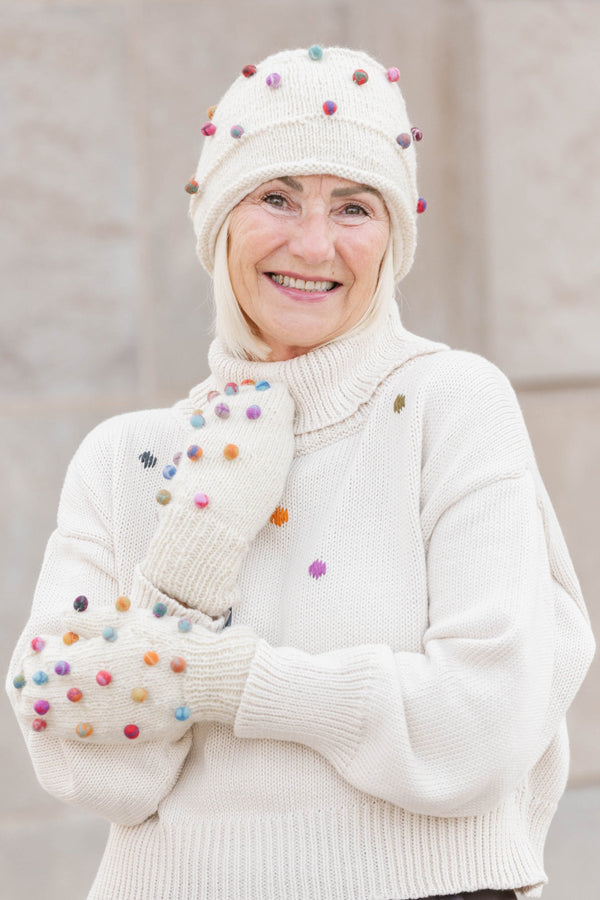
236,331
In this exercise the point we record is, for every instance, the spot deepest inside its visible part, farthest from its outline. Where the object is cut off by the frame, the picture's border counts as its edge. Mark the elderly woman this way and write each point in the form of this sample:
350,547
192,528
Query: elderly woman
339,664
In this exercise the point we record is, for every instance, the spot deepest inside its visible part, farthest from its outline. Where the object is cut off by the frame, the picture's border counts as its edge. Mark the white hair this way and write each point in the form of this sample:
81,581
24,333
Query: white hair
236,331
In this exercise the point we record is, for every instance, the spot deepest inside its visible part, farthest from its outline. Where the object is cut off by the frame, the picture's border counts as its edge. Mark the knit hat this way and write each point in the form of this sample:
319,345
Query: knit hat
329,111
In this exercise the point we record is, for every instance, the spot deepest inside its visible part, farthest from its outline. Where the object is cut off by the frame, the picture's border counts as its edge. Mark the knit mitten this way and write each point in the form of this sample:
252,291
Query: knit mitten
229,480
137,674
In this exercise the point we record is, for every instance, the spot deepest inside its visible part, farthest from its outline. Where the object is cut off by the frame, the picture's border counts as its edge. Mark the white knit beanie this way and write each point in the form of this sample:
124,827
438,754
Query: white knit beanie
321,111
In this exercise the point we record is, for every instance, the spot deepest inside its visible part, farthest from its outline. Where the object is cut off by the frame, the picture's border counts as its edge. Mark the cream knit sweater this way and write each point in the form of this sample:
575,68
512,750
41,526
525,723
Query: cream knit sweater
421,636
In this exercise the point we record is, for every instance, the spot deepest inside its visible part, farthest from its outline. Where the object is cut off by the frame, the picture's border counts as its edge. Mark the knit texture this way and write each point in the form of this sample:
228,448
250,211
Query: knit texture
196,553
287,132
401,732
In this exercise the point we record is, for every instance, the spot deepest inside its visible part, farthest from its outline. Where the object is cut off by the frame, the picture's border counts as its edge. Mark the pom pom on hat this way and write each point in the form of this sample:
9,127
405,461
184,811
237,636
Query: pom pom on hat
356,139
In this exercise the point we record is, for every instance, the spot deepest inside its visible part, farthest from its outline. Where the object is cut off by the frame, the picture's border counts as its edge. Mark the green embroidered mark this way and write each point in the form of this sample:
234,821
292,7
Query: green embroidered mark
399,403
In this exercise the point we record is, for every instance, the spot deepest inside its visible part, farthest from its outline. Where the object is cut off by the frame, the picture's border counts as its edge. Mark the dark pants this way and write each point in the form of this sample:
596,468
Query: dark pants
477,895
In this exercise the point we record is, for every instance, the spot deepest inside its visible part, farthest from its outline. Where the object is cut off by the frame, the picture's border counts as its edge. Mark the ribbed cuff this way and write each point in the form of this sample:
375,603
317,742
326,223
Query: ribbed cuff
217,674
146,594
319,701
196,558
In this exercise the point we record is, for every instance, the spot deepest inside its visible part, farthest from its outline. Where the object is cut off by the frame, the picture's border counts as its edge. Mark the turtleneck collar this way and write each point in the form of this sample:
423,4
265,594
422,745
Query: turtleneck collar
329,384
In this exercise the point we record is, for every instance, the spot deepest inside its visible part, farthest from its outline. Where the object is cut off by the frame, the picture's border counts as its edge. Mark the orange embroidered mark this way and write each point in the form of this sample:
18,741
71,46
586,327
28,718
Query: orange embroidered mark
280,516
399,402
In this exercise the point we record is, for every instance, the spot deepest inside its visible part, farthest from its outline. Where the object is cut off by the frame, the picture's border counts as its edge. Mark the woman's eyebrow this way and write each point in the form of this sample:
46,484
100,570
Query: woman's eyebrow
355,189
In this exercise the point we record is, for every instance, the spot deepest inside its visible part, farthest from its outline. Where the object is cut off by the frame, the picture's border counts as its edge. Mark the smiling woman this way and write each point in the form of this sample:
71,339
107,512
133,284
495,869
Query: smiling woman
339,665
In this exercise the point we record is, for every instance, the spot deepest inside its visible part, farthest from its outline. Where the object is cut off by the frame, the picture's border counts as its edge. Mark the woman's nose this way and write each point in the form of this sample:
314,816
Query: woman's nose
312,238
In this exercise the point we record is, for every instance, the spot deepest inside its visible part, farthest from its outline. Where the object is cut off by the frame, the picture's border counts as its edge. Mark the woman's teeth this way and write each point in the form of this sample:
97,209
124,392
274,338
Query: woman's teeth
302,285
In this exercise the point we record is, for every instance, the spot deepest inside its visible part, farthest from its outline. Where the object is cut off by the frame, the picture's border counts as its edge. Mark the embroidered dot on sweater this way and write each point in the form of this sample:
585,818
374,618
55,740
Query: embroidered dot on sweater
399,403
182,713
103,678
222,410
70,638
123,604
253,412
151,658
19,681
39,724
317,568
39,677
80,604
131,732
273,80
231,388
62,667
74,695
163,497
169,472
194,452
236,131
37,644
279,517
159,610
197,419
178,664
329,107
360,77
41,707
139,694
109,633
148,459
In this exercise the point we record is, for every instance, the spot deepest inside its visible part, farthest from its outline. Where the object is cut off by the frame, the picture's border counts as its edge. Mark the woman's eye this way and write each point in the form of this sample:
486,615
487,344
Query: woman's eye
274,200
355,209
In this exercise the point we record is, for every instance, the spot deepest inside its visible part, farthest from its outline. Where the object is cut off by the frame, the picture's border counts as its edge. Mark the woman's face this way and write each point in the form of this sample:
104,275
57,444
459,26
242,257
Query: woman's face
304,256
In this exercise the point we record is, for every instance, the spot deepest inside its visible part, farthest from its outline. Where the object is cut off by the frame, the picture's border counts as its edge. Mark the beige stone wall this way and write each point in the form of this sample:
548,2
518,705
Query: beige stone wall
103,307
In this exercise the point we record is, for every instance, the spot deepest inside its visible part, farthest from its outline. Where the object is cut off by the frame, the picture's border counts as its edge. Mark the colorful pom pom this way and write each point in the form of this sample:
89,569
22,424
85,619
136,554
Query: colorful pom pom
131,732
317,568
138,695
163,497
197,420
236,131
360,77
192,186
62,667
273,80
222,410
231,451
84,729
253,412
249,71
178,664
404,139
41,707
19,681
231,388
184,625
39,724
329,107
262,386
182,713
123,604
194,452
159,610
74,695
247,381
315,52
211,111
109,633
416,133
208,129
103,678
421,205
177,458
393,74
151,658
38,644
70,638
39,677
80,604
211,396
169,472
201,500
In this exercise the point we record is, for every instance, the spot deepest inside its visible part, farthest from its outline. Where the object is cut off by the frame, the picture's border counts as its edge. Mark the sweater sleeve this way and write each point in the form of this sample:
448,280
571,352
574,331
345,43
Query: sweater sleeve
124,784
454,729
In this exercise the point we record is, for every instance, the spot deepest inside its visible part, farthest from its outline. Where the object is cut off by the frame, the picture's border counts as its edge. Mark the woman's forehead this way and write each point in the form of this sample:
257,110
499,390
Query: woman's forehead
339,187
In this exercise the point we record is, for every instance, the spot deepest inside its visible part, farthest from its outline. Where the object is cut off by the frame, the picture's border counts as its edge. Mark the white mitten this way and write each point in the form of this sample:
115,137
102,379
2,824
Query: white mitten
135,674
229,481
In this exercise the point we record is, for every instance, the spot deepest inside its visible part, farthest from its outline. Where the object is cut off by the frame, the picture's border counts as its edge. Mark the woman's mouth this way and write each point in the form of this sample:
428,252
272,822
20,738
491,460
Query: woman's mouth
300,284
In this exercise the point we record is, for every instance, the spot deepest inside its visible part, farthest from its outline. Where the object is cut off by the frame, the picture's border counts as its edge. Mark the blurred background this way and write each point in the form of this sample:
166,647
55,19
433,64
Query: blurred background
104,307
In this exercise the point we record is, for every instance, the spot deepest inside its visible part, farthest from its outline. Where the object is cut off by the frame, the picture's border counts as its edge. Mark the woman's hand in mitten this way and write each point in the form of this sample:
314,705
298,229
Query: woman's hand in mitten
230,479
137,674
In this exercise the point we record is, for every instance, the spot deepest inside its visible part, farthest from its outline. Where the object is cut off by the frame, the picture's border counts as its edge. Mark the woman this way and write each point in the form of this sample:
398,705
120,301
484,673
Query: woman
339,665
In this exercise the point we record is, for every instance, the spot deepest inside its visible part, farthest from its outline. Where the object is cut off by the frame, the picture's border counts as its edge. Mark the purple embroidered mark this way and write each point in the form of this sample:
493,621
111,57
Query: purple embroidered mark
317,568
